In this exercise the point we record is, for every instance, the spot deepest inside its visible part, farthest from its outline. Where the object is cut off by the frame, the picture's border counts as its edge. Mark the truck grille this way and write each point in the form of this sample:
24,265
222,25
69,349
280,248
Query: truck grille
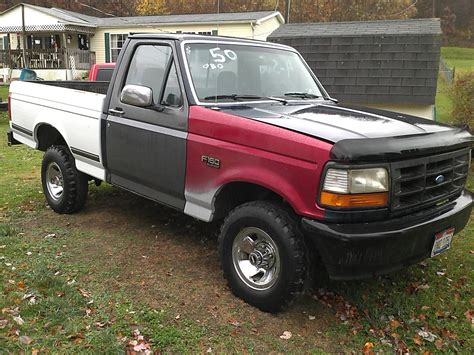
420,182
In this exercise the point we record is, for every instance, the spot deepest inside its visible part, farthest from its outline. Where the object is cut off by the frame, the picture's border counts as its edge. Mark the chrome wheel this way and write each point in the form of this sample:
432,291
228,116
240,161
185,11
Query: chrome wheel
54,181
256,259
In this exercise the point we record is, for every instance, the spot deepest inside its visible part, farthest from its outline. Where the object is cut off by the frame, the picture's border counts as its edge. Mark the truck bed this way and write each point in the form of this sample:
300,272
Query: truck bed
98,87
73,108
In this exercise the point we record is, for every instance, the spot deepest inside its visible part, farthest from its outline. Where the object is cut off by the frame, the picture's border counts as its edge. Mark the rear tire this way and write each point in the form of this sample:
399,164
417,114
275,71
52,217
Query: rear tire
262,255
64,187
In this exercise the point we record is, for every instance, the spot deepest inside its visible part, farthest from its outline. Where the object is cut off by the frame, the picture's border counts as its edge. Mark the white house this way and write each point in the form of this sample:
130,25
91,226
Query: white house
60,42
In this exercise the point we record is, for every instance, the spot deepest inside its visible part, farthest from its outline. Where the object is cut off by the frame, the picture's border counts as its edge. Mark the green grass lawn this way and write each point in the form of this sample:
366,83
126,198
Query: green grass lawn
462,59
3,92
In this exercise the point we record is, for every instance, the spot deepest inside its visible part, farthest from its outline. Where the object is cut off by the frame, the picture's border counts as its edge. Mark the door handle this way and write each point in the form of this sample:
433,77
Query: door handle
116,111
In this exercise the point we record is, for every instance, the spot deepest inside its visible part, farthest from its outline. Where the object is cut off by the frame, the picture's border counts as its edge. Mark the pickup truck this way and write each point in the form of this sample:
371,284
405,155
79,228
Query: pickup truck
242,133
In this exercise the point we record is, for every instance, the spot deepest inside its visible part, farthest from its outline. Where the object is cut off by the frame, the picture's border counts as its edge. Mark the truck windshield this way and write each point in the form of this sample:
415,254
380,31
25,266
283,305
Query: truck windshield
227,72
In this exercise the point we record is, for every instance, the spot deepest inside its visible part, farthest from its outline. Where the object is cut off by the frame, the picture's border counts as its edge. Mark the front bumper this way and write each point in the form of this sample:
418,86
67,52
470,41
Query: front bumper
356,251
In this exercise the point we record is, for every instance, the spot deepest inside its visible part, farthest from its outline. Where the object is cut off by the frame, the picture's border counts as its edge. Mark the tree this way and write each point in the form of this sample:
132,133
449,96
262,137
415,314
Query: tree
448,23
350,10
97,8
160,7
301,10
151,7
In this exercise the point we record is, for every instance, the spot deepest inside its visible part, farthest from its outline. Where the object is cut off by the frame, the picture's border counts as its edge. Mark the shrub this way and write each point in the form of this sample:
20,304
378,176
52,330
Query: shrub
462,95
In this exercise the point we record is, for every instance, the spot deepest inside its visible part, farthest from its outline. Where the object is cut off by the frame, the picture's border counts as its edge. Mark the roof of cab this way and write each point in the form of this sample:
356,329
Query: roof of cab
205,38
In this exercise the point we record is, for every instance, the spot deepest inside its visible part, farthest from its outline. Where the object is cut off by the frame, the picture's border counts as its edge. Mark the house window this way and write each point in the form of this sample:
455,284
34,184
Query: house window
205,33
2,40
116,43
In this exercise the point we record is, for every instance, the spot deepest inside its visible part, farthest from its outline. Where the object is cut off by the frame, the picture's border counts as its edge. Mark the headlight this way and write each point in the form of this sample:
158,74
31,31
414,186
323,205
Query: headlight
355,187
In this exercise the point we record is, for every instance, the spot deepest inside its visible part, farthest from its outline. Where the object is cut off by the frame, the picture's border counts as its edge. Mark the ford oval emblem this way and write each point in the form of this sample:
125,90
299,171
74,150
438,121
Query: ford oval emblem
439,179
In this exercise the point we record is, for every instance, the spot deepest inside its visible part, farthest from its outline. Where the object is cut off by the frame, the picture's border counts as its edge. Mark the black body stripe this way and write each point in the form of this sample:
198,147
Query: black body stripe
85,154
22,130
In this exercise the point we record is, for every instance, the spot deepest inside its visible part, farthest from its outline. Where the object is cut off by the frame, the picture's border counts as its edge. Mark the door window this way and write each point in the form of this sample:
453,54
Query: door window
148,67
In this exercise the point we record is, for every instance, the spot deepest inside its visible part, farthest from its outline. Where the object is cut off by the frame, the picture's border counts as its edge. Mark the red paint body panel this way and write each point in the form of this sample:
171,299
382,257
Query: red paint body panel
281,160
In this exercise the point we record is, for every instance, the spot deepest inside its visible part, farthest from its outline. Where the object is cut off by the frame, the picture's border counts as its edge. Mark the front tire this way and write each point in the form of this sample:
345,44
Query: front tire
64,187
262,255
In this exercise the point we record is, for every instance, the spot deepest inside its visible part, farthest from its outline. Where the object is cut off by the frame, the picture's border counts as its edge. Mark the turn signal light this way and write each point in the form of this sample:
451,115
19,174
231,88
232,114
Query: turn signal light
354,200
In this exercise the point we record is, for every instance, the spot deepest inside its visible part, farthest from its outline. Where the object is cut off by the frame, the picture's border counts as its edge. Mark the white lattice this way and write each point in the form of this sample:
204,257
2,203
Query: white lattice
59,27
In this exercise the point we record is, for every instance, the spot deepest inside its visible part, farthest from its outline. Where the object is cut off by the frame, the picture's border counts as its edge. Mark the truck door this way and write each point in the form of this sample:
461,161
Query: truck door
146,145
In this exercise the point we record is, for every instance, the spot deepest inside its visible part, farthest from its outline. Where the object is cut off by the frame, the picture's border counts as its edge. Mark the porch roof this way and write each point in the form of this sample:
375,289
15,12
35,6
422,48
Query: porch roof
41,19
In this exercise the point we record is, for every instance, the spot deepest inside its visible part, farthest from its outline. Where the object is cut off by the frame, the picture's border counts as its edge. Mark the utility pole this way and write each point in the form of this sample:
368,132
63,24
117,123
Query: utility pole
287,10
23,30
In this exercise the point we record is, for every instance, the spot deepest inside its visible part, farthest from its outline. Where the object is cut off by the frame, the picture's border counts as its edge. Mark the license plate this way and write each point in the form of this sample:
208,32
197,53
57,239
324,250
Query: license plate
442,241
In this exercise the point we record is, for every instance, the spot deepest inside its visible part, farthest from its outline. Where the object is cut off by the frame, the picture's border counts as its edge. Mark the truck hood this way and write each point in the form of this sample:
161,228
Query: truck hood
335,122
391,134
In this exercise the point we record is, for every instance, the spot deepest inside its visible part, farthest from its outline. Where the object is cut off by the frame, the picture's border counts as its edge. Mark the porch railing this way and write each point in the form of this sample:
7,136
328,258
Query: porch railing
60,58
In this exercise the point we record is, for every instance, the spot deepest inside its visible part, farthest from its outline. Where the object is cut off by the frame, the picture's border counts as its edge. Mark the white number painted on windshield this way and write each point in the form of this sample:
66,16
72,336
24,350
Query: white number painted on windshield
230,54
213,66
220,58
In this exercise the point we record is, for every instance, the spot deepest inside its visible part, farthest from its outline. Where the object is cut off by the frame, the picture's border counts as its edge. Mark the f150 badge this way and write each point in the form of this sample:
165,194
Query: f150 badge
210,161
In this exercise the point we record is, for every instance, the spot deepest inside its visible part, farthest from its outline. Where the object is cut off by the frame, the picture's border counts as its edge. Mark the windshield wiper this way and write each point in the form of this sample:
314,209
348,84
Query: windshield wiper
303,95
239,97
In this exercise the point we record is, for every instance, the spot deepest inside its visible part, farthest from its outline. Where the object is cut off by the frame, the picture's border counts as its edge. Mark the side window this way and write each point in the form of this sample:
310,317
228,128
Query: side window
148,67
172,94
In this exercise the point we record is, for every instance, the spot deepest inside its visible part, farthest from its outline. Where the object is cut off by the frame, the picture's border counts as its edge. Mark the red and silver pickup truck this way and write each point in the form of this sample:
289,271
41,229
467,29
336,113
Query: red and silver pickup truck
242,132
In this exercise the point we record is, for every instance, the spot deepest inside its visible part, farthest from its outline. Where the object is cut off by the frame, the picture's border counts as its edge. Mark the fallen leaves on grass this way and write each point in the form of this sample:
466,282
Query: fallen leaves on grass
367,349
344,310
469,314
414,287
84,293
76,338
25,339
439,344
441,314
138,345
101,325
30,297
428,336
418,340
394,324
18,320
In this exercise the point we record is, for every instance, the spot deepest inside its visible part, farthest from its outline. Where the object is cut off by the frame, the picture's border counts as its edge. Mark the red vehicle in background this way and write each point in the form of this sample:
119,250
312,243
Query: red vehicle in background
101,72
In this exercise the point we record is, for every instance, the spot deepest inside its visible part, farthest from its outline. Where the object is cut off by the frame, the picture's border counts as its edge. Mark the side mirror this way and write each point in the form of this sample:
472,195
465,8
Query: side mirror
136,95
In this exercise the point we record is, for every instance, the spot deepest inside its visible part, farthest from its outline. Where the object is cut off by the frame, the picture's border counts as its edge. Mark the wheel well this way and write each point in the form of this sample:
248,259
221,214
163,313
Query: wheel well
236,193
47,136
